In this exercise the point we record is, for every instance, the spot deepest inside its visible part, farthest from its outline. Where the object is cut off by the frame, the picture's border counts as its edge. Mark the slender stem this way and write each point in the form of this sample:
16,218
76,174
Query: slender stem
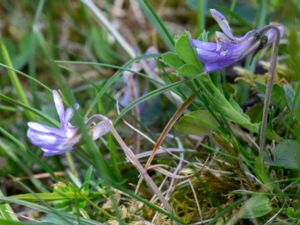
168,127
164,133
131,157
268,93
15,80
71,164
134,89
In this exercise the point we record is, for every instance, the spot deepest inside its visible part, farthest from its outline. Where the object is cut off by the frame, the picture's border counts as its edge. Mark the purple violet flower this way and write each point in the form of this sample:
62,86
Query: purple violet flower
229,49
55,141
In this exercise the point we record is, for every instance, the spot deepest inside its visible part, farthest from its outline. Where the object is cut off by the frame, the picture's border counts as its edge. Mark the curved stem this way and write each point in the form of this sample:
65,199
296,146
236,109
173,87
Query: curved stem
131,157
268,93
164,134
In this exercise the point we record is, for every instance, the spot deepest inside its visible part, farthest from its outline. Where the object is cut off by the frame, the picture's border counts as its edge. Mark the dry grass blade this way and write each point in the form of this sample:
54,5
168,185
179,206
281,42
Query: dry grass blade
97,12
165,132
131,157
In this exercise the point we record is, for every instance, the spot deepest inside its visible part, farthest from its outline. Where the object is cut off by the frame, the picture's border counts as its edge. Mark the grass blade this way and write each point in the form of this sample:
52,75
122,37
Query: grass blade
157,23
6,212
15,80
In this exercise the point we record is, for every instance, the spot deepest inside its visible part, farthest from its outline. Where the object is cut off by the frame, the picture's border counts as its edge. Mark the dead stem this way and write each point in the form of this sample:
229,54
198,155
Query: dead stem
131,157
164,133
98,13
133,92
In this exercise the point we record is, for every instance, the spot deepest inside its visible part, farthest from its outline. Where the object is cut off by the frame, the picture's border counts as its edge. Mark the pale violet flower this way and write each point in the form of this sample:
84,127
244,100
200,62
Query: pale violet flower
228,48
54,141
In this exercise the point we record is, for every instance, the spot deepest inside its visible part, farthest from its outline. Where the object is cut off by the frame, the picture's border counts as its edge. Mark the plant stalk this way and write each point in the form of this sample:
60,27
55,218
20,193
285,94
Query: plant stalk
131,157
268,93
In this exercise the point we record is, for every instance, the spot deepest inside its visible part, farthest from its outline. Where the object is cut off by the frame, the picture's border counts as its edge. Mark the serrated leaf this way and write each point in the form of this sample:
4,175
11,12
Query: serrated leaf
199,122
256,206
172,59
286,154
186,52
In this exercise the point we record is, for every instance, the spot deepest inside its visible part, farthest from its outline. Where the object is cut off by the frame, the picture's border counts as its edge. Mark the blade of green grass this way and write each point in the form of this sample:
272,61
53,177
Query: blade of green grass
6,212
157,23
29,108
28,155
107,24
15,80
41,208
201,10
8,222
148,96
27,76
54,196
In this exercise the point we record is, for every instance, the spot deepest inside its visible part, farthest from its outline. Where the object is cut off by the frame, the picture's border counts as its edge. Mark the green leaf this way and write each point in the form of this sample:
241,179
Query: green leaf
6,212
172,59
236,106
188,70
147,96
104,51
222,106
199,122
7,222
293,213
262,173
54,196
294,55
255,207
16,83
186,52
278,96
286,154
71,219
87,179
289,95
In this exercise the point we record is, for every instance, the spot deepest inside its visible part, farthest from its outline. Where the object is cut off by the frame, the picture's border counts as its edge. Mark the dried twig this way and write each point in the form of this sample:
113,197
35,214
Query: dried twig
108,25
196,199
165,131
131,157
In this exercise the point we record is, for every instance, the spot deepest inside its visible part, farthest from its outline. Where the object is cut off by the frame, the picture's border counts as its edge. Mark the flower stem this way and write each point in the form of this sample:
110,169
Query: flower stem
268,93
132,158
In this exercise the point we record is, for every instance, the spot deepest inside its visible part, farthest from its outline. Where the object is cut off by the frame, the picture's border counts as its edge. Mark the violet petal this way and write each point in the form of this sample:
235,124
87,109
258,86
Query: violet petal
100,129
223,23
59,106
